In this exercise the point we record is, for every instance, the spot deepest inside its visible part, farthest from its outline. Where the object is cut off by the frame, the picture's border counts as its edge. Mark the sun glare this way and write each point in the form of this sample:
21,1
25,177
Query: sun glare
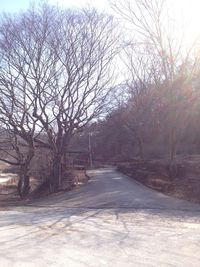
187,14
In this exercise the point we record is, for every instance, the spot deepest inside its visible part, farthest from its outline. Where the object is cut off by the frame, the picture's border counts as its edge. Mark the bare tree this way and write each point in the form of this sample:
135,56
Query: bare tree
141,77
60,63
162,49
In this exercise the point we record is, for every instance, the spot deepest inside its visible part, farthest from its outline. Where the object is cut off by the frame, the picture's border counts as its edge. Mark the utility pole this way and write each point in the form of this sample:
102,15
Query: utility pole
90,150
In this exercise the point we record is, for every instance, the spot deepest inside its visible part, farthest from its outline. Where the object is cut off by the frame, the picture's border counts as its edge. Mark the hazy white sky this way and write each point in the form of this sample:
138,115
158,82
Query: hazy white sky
189,12
189,6
17,5
188,9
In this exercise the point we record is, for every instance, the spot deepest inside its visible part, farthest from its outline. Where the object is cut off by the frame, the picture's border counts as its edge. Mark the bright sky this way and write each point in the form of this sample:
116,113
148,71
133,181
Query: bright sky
189,6
189,12
17,5
188,9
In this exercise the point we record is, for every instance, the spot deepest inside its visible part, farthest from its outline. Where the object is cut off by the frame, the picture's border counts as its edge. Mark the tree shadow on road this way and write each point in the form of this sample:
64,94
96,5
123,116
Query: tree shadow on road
100,217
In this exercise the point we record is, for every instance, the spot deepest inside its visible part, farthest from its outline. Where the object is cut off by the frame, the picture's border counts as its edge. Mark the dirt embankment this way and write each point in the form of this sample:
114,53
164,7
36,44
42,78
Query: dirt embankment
185,182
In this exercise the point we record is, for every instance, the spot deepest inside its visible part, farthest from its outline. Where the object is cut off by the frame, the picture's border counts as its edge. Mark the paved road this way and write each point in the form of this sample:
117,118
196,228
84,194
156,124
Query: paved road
111,221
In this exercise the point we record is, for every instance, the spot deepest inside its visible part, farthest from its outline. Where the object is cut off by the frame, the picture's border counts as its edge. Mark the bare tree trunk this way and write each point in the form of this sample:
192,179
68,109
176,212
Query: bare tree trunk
172,154
56,176
140,144
141,149
172,145
23,186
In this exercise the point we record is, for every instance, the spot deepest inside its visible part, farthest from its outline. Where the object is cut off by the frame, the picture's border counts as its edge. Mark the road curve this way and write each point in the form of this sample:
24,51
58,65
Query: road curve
111,221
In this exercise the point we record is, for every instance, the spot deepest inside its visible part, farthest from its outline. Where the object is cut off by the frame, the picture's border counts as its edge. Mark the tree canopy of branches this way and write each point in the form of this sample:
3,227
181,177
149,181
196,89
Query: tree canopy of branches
55,77
158,61
160,114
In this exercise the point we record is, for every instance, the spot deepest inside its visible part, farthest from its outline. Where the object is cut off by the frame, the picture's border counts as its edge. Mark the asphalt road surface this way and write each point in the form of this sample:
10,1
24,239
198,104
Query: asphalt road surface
110,221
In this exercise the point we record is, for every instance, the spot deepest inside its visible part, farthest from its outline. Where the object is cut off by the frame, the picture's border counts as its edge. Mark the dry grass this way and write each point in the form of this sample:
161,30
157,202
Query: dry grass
155,174
71,179
9,180
80,177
